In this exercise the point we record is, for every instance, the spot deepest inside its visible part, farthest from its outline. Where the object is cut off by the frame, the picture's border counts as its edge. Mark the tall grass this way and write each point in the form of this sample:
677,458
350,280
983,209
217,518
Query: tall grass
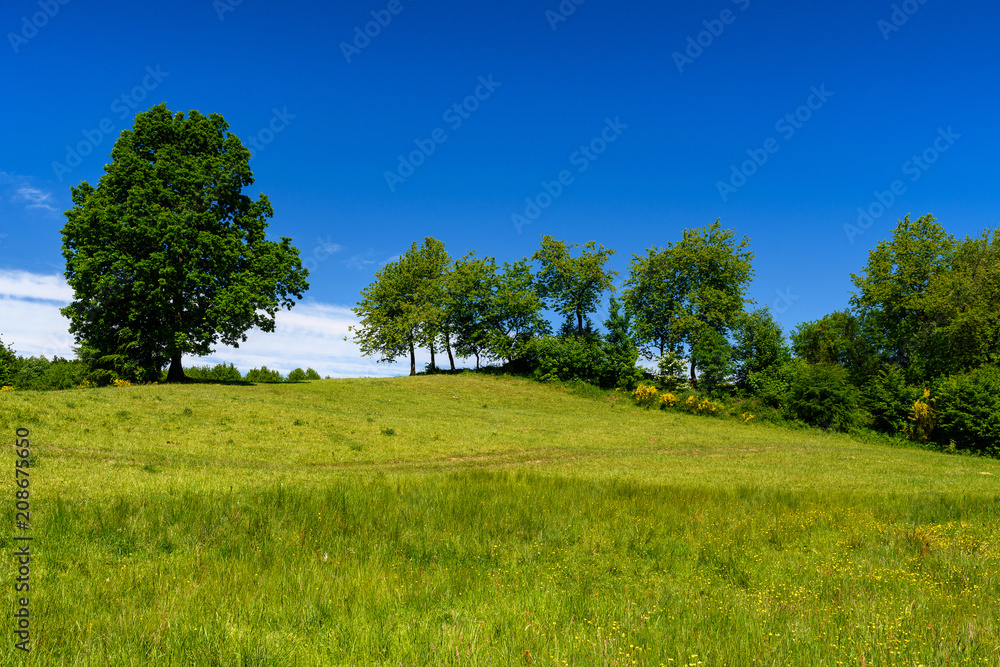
501,523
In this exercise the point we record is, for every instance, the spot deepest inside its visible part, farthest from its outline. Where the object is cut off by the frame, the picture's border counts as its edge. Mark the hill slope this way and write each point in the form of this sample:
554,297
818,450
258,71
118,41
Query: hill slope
478,520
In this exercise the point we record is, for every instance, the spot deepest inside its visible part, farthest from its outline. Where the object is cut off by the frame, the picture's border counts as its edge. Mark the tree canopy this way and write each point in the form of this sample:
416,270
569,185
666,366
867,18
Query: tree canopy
166,256
573,286
692,290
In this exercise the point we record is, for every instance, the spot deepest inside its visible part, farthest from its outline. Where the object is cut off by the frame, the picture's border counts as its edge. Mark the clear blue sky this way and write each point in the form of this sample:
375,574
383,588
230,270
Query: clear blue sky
888,92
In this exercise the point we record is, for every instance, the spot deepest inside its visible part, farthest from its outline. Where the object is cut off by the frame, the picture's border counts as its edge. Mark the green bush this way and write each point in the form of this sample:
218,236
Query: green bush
821,395
563,358
100,377
772,385
312,375
890,400
217,373
8,365
298,375
263,375
967,408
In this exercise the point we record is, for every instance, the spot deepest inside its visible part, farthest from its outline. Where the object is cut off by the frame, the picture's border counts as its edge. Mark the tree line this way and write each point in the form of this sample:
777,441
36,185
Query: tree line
921,330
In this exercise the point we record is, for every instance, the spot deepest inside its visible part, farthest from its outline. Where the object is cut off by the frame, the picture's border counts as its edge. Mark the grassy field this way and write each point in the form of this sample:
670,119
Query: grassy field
475,520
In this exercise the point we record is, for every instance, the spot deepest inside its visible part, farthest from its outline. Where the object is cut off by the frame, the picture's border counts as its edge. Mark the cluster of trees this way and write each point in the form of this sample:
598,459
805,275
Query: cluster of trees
916,353
919,346
41,374
688,296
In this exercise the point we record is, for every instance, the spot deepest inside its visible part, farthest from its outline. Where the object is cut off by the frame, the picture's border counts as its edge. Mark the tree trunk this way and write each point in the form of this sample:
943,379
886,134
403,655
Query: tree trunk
477,361
694,379
447,346
579,323
176,372
433,365
413,360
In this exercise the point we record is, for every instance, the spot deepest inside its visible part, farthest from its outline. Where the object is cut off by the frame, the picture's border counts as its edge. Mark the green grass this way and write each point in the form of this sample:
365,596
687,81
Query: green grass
475,520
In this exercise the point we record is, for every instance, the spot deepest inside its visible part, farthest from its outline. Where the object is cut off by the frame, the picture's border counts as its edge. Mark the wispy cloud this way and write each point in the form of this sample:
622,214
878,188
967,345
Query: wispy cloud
34,198
20,190
311,335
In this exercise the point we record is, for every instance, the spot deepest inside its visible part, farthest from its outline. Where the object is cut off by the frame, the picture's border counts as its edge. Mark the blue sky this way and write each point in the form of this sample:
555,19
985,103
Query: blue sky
648,107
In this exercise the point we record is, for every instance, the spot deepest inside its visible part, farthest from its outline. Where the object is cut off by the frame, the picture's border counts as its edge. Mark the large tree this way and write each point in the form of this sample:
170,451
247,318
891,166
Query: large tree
167,256
573,286
691,293
404,306
893,292
651,299
389,315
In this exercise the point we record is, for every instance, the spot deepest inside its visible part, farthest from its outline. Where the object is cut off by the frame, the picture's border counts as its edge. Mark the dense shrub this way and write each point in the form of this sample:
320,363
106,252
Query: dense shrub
821,395
217,373
713,358
297,375
563,358
312,375
967,408
889,400
772,385
8,365
262,374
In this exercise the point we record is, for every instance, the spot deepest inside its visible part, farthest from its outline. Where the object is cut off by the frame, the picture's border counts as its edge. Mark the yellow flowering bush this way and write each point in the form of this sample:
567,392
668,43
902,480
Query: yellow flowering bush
668,400
923,418
6,389
645,395
700,406
121,383
747,416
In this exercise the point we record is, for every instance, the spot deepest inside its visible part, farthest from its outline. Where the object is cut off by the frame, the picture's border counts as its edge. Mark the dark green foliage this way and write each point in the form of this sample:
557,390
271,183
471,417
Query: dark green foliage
38,373
967,408
840,338
262,374
167,256
101,377
217,373
297,375
712,354
8,365
821,395
889,399
563,358
312,375
759,346
620,351
772,385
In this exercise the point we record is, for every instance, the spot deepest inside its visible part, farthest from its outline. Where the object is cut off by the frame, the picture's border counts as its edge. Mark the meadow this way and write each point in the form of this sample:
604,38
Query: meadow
479,520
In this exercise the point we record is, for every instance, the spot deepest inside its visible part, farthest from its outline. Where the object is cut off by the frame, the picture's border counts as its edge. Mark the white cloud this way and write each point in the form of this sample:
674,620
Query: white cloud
24,285
21,191
311,335
34,198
